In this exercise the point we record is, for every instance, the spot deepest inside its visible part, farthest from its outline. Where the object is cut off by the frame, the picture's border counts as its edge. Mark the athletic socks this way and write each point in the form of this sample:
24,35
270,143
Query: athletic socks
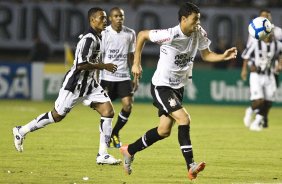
185,144
105,134
39,122
121,121
149,138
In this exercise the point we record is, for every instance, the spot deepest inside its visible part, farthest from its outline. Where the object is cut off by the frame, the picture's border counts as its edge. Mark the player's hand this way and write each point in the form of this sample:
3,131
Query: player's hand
135,84
136,71
110,67
230,53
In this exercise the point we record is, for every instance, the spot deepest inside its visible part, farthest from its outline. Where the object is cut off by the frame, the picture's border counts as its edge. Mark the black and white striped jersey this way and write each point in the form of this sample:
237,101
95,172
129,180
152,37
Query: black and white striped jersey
87,50
263,54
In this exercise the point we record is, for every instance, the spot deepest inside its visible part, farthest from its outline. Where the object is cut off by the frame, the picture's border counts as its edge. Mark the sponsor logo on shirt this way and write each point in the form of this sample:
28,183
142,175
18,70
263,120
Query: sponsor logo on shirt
182,60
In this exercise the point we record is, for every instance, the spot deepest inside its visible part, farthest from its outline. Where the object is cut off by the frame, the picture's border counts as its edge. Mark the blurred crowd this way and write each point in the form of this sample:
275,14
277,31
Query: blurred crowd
202,3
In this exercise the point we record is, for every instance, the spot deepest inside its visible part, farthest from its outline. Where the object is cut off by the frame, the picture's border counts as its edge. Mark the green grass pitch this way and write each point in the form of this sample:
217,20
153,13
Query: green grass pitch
65,152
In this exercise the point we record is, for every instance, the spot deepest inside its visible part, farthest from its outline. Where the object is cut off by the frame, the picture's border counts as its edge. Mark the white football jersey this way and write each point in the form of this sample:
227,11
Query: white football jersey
177,53
115,48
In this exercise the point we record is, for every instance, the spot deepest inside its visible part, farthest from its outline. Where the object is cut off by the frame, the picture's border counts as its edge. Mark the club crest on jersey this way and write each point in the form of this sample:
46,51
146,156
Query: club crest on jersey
172,102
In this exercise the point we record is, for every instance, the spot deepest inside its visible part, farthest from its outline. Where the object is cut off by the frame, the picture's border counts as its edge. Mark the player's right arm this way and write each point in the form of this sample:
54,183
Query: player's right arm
97,66
142,37
244,70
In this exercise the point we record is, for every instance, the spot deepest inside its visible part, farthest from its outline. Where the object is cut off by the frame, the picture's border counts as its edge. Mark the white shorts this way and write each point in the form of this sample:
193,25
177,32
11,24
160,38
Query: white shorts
67,100
262,86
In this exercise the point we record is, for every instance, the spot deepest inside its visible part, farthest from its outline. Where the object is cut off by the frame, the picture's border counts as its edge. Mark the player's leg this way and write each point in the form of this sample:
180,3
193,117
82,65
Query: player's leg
149,138
63,105
101,102
270,91
123,91
107,113
248,116
122,119
183,120
257,99
256,124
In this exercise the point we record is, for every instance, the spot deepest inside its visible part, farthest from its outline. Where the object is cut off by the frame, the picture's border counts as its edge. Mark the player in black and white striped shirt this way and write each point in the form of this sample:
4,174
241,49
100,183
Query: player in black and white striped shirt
261,57
277,35
79,84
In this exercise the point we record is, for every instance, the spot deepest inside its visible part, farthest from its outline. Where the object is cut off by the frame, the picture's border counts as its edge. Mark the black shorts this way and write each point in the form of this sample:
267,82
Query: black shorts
167,99
117,89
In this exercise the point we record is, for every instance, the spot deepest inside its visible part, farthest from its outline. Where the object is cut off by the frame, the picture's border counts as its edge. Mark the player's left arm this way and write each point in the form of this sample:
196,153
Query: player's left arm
210,56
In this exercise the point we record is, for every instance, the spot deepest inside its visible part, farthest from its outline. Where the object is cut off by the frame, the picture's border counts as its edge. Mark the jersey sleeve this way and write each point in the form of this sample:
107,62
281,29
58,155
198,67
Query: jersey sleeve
132,42
249,51
204,42
160,36
277,33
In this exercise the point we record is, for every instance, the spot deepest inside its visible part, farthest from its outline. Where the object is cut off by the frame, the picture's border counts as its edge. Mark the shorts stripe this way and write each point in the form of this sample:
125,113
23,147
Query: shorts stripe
185,147
144,142
159,98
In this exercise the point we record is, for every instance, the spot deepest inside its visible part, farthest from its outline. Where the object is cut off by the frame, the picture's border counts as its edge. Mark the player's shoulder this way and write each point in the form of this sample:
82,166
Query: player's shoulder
277,33
127,29
89,34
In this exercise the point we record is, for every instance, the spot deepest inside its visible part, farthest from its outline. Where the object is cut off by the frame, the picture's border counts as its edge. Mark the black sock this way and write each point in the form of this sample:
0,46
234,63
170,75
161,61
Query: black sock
121,121
185,143
149,138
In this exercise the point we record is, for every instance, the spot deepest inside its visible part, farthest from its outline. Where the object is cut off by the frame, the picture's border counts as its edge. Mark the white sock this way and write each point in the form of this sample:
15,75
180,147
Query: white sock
258,119
249,111
39,122
105,134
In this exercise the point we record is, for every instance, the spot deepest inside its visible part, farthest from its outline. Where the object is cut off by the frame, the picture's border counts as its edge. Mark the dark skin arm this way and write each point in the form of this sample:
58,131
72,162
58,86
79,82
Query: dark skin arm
97,66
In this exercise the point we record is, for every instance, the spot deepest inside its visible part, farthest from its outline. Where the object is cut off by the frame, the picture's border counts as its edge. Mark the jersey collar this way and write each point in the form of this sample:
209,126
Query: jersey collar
180,32
114,31
91,30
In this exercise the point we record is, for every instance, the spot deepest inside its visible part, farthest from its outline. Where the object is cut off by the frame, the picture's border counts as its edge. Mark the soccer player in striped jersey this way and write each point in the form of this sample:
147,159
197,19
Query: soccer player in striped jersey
277,35
79,84
261,57
178,49
118,46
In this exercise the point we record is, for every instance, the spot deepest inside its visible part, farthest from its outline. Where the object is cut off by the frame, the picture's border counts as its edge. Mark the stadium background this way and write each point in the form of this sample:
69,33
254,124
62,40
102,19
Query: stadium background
58,24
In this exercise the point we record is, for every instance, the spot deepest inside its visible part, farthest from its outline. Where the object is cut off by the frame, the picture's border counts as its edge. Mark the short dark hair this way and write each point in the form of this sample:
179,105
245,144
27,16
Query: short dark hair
115,9
264,10
187,9
92,11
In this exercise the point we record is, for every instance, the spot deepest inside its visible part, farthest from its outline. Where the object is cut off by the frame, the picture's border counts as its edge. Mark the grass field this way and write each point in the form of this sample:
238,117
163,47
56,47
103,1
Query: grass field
66,152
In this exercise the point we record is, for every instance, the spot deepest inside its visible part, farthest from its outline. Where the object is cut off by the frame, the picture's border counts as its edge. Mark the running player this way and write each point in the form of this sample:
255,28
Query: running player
118,46
178,49
79,84
277,33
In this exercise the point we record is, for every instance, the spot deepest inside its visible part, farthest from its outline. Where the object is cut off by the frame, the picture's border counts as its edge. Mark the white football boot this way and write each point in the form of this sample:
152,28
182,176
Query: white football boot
127,159
107,159
18,139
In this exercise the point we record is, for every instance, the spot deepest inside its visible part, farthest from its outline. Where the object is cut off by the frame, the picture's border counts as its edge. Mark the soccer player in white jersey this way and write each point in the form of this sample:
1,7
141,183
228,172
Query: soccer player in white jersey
261,56
79,84
277,33
178,49
118,46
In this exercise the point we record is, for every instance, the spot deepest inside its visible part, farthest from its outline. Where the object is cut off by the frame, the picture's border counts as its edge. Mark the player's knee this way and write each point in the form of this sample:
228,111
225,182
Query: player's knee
164,132
185,120
57,117
127,107
108,112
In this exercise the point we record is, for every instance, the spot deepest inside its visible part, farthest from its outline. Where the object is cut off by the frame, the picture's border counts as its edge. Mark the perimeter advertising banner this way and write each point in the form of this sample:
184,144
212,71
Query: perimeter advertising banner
15,80
41,81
